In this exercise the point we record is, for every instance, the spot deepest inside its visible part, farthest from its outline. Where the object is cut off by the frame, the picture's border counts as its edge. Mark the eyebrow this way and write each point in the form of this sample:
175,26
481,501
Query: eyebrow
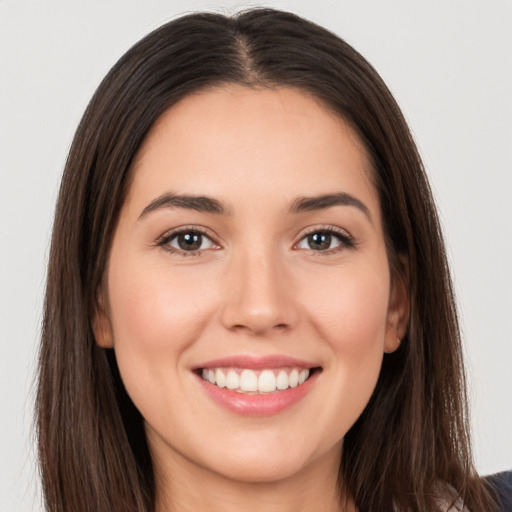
210,205
307,204
198,203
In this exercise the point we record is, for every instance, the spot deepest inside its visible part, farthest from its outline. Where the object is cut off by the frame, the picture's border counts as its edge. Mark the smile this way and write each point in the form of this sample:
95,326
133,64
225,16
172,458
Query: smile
249,381
257,386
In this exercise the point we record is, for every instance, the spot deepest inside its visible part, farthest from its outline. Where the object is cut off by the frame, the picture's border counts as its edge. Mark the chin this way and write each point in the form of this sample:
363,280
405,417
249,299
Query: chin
259,469
272,460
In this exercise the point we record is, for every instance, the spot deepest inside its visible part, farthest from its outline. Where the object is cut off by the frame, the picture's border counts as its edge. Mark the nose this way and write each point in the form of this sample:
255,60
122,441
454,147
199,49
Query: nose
258,296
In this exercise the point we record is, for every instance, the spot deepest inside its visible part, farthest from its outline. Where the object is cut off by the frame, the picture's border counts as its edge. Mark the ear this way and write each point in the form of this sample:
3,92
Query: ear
101,326
398,311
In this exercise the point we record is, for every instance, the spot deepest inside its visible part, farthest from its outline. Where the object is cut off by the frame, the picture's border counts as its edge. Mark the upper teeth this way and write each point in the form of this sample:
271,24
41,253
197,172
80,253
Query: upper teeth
248,381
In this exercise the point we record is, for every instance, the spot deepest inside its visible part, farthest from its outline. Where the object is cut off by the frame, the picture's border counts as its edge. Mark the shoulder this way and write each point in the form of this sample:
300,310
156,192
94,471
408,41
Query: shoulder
502,485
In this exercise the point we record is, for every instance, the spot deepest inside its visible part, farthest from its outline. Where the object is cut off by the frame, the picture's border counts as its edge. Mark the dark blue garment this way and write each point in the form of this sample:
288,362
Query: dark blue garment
502,484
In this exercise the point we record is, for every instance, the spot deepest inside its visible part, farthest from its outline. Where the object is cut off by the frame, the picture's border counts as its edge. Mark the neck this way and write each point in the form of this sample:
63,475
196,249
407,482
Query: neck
185,487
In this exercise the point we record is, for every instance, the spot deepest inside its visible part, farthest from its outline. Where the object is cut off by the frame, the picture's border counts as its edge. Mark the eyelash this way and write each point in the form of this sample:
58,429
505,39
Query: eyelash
165,240
346,241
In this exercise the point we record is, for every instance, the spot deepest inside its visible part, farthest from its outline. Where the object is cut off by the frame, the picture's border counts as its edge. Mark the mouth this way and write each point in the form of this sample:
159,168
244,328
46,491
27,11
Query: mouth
257,386
260,381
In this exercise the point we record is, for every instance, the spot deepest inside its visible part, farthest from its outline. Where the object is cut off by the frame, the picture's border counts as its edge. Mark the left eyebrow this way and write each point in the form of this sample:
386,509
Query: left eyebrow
322,202
198,203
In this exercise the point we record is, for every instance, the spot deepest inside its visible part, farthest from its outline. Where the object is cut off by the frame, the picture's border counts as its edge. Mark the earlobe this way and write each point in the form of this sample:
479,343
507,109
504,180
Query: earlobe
101,326
398,314
391,345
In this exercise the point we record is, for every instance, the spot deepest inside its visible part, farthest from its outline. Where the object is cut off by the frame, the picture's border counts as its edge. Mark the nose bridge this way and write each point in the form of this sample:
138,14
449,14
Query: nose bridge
257,295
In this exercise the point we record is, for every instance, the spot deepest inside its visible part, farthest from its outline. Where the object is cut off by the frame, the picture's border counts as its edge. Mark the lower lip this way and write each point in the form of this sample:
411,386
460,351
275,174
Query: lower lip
258,405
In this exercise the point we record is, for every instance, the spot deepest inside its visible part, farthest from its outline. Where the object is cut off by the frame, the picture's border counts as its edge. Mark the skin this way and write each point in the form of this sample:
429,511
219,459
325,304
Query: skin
255,288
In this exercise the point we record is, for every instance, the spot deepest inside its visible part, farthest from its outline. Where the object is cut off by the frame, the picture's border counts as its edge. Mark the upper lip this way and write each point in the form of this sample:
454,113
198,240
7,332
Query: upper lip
256,363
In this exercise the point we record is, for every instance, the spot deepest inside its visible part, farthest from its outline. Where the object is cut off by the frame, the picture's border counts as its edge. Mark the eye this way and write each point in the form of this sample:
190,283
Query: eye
325,240
187,241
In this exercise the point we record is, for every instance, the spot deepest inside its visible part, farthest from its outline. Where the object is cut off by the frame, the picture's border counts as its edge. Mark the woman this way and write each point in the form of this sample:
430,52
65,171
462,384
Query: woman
241,311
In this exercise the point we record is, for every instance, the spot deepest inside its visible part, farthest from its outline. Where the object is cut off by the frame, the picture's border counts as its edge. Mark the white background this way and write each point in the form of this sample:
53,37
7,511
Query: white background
449,63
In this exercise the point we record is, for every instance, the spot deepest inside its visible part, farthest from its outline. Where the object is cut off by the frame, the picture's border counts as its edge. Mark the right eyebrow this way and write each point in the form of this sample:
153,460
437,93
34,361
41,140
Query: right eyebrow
322,202
198,203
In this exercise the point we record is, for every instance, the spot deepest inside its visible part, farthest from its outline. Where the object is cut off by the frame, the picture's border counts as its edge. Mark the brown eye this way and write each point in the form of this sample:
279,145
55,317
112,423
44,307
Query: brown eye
319,241
190,241
325,240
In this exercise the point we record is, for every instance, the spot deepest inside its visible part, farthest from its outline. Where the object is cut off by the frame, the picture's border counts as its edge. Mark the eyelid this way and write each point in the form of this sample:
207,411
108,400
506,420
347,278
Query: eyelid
346,239
165,238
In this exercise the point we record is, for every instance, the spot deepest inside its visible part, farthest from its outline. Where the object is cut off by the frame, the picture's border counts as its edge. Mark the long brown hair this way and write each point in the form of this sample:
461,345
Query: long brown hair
411,444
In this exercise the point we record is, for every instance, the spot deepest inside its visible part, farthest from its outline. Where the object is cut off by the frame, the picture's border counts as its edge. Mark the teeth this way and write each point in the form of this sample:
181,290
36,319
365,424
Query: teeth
248,381
282,380
293,379
267,381
220,378
232,380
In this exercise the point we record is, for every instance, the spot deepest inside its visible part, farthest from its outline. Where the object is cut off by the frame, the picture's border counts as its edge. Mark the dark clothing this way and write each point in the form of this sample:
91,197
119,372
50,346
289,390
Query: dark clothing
502,484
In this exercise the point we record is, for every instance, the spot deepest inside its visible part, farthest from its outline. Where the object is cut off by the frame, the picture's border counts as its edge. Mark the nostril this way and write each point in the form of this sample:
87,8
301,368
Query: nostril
258,315
259,329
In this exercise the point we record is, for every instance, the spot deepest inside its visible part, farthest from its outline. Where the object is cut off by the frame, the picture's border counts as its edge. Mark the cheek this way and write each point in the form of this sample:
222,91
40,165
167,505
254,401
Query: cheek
156,315
351,316
156,307
350,309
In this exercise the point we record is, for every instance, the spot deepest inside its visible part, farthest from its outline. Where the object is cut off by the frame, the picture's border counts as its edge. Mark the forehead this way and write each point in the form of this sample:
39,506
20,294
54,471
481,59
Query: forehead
233,139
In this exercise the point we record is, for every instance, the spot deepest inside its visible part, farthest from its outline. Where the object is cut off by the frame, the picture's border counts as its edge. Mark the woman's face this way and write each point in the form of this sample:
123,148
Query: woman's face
249,256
